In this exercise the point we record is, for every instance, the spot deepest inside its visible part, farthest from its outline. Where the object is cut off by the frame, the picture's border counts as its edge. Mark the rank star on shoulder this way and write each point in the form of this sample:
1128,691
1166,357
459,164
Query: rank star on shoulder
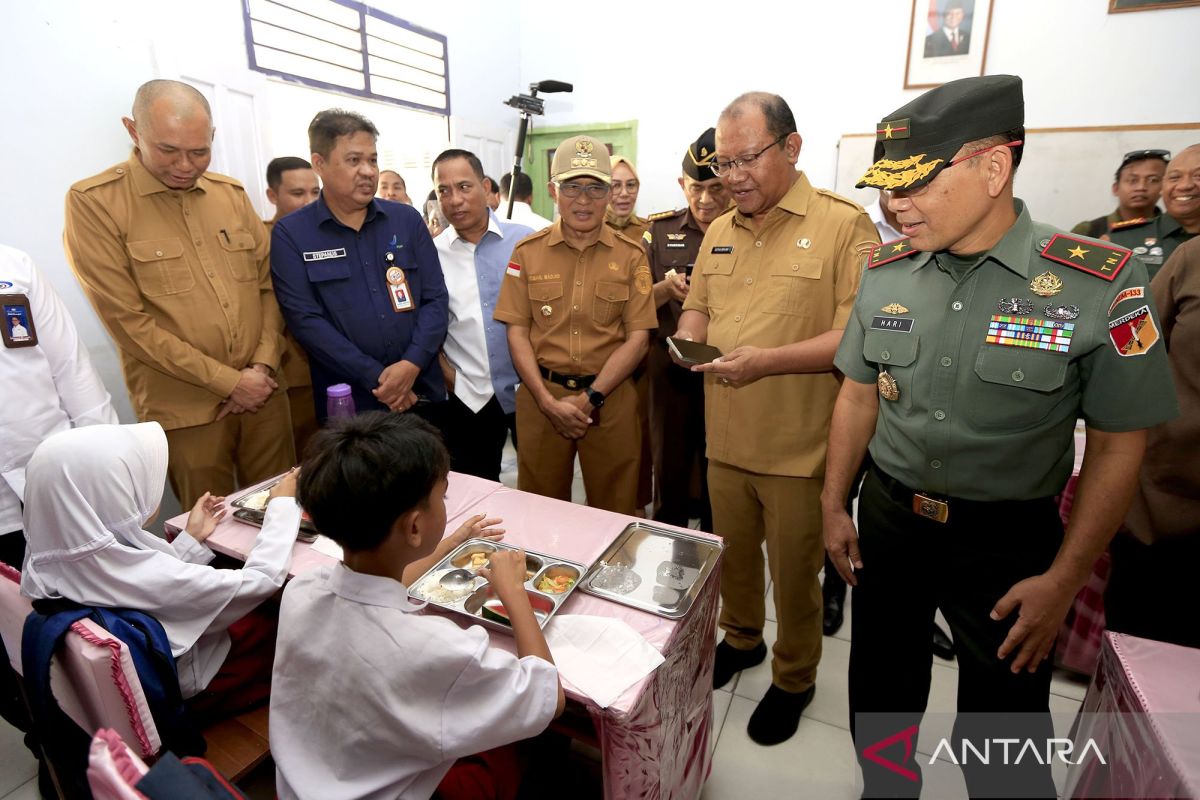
896,248
1078,252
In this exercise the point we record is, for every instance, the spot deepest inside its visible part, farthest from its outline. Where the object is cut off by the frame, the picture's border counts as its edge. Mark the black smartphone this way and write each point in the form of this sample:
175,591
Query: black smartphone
692,352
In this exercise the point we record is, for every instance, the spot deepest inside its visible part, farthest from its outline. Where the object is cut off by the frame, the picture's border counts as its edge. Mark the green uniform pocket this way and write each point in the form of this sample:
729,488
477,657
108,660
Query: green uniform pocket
897,354
1019,388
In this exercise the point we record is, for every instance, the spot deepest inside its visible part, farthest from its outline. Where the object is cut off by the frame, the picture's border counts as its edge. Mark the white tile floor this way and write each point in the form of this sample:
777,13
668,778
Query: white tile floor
817,762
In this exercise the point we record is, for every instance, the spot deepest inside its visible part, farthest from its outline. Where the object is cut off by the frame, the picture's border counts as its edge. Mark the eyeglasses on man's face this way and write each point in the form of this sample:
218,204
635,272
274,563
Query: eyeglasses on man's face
594,191
720,168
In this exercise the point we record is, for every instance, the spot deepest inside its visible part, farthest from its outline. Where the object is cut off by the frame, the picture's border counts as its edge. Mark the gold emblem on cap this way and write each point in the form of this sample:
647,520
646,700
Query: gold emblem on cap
894,308
547,311
583,153
888,389
1046,285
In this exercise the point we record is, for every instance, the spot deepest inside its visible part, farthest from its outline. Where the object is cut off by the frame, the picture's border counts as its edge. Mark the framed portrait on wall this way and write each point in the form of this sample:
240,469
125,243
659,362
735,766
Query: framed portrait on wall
947,40
1119,6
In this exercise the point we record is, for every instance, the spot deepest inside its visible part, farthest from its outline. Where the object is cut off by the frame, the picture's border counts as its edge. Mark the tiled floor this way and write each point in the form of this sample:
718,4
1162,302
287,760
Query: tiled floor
817,762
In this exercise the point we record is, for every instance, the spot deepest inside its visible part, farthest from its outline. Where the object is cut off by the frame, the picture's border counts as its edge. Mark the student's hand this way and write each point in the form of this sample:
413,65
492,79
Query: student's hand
506,574
739,367
286,486
395,385
567,416
477,527
204,516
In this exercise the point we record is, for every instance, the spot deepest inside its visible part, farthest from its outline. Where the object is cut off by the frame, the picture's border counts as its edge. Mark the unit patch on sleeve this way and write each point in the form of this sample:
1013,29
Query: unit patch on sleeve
1133,292
1134,333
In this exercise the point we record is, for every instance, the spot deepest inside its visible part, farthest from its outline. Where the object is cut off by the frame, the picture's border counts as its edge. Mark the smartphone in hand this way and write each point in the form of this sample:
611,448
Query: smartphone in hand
692,352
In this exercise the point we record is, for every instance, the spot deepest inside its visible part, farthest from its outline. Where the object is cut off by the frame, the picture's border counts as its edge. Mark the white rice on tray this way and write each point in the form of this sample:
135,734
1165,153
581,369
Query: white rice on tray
431,590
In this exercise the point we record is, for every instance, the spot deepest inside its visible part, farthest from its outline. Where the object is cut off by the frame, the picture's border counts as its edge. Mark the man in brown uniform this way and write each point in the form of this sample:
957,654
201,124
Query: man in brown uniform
772,289
576,299
676,396
174,260
291,185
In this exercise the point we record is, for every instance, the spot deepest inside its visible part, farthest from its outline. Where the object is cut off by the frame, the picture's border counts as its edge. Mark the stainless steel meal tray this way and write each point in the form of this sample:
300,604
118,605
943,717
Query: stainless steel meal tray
654,569
251,508
478,599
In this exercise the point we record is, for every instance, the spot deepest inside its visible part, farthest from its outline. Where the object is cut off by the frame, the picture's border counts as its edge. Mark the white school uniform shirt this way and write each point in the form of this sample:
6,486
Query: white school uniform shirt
48,388
370,700
89,491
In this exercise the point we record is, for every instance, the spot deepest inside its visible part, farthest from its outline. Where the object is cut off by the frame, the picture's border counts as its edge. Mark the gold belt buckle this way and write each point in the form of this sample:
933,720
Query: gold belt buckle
572,383
936,510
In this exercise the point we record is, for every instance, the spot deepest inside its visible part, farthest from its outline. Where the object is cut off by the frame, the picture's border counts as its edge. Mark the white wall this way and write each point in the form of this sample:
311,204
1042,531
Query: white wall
840,65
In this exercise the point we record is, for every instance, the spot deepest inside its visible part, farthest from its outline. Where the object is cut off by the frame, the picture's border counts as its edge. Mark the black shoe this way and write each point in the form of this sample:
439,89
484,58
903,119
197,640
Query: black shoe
778,715
834,612
942,646
730,661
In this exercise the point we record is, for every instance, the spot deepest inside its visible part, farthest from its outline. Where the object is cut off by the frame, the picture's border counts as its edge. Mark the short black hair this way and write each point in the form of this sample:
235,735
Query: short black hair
524,186
490,185
362,474
328,125
283,164
452,153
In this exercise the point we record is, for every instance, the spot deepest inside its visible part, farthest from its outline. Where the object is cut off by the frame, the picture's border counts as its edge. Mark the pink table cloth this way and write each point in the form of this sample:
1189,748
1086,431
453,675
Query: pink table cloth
655,738
1143,711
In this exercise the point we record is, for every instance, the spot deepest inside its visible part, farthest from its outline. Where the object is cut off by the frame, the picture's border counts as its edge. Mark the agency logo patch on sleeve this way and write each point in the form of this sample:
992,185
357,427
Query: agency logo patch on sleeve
1133,334
1133,292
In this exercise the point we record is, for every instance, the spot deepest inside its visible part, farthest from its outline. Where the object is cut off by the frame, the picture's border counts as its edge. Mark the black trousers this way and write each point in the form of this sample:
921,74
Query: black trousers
913,566
475,440
677,442
1152,591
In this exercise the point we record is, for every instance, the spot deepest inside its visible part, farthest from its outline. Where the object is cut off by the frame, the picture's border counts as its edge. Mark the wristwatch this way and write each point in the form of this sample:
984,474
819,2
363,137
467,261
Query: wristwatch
595,398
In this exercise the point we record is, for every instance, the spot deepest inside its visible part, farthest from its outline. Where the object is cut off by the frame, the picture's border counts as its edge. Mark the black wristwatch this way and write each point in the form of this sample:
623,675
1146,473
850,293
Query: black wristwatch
595,398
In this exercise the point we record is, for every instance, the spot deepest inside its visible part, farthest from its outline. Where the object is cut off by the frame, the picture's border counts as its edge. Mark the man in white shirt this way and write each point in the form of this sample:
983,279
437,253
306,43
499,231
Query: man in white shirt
884,218
479,372
522,212
49,387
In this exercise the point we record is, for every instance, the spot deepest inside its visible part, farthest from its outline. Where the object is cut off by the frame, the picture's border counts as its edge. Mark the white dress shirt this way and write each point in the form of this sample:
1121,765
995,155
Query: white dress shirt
886,232
89,493
47,388
370,700
523,214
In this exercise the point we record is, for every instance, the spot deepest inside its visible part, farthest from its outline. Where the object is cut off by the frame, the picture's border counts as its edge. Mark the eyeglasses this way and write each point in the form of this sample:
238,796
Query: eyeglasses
594,191
629,187
720,168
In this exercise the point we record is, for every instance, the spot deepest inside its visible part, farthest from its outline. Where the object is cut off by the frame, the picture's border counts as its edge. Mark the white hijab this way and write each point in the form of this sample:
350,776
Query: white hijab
88,493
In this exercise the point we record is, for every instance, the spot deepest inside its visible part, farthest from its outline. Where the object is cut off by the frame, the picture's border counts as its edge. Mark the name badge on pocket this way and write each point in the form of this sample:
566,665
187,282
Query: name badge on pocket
398,290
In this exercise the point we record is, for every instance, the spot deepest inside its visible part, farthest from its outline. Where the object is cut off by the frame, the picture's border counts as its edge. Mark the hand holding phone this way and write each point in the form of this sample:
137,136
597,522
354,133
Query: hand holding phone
690,353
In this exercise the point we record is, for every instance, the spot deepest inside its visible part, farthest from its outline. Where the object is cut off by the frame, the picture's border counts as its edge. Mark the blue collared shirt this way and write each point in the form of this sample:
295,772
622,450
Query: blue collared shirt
332,288
477,345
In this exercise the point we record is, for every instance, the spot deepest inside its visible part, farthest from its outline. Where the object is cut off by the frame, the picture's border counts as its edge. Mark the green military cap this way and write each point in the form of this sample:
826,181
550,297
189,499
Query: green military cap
697,161
918,140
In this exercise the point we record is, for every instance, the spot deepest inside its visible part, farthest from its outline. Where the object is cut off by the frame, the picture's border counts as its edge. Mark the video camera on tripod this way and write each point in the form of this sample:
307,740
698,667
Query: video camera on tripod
529,105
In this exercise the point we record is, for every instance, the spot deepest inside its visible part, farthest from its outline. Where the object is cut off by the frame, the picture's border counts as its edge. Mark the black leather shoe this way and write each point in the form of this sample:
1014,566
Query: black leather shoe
778,715
834,612
730,661
942,646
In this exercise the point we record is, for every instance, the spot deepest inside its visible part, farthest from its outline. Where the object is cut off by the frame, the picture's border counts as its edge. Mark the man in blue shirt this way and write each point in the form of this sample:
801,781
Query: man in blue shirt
474,251
358,280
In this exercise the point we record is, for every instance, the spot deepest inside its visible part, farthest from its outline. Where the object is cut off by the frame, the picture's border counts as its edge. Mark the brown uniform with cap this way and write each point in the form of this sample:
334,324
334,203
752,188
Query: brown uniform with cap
793,280
181,280
578,306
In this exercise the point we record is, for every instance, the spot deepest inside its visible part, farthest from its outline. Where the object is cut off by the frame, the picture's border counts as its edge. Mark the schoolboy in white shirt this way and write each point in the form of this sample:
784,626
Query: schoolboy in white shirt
370,700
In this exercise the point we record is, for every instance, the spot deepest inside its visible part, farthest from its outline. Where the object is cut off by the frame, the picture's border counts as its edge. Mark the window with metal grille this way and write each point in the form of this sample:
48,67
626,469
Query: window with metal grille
349,47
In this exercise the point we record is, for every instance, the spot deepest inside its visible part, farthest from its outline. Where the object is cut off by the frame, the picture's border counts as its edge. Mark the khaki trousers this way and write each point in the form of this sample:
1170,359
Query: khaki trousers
232,453
609,452
749,508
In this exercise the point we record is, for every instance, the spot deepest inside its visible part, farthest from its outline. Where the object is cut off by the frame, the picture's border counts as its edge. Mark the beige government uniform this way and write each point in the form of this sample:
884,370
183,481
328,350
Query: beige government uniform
579,307
181,280
295,371
793,280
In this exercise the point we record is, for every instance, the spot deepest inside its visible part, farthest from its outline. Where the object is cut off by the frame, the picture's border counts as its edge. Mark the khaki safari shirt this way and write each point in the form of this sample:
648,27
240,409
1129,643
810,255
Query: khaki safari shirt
181,280
579,306
991,375
793,280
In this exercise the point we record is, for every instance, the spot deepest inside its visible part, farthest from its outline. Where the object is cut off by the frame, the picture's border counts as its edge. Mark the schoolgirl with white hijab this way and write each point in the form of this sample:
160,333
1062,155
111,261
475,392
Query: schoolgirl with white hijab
88,494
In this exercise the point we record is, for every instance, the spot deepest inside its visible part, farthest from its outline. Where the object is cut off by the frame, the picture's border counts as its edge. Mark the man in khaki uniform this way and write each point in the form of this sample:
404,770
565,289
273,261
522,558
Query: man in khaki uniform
174,260
772,288
576,298
291,185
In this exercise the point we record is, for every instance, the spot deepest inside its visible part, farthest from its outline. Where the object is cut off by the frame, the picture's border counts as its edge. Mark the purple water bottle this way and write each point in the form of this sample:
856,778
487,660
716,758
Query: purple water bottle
338,402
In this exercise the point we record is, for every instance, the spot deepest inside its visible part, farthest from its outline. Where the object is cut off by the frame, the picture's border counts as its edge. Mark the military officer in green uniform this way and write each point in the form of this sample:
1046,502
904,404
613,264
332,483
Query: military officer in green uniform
975,344
677,395
1137,187
1153,240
